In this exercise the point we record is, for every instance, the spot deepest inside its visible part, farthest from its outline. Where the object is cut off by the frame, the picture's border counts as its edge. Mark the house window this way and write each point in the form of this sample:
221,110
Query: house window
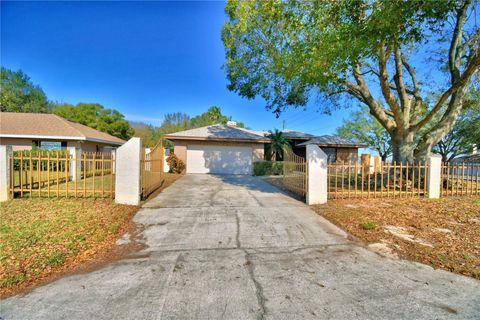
331,154
52,145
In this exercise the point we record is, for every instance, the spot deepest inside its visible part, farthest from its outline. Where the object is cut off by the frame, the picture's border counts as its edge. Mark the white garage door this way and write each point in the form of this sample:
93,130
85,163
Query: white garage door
219,159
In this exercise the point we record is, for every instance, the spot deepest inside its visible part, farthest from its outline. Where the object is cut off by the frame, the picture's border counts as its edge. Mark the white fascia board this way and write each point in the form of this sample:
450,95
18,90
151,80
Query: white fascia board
31,136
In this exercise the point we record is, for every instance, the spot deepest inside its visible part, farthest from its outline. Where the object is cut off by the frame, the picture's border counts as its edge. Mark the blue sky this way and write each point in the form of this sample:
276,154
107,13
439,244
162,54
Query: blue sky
144,59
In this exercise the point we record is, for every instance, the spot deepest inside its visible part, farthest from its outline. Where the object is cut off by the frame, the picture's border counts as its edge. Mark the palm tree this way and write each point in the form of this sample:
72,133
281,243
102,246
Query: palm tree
279,144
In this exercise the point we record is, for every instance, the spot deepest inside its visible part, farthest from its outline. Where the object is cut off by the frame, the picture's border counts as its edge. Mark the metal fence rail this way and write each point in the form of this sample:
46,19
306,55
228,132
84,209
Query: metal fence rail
351,180
40,173
460,179
294,176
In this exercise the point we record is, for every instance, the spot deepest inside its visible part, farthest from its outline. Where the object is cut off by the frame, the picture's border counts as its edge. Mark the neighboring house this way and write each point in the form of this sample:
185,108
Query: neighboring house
474,157
23,131
230,150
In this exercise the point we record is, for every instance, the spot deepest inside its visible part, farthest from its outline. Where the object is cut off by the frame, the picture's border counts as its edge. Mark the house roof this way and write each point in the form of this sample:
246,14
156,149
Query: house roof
219,132
472,158
292,134
49,126
332,141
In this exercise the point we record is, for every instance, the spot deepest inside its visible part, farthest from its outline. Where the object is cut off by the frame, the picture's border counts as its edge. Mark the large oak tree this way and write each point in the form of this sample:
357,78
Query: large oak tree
391,55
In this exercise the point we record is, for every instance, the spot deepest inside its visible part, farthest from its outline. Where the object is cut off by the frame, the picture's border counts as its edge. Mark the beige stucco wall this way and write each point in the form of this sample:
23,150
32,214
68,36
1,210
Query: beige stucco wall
347,155
181,146
17,144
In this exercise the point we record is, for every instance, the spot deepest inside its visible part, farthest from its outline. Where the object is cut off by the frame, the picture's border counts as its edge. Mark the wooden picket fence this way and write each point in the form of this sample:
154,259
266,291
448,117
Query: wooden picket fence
152,167
353,180
295,173
41,173
460,179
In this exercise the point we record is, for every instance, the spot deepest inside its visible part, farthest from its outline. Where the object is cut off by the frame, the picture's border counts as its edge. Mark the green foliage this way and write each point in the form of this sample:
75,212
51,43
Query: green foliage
279,144
282,50
19,94
96,116
147,133
212,116
35,163
57,258
465,133
368,225
362,127
381,53
179,121
176,165
268,168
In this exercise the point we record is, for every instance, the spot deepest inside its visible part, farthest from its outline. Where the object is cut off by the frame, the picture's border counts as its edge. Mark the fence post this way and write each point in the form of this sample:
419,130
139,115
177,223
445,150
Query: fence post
317,162
127,172
434,176
366,164
75,165
5,153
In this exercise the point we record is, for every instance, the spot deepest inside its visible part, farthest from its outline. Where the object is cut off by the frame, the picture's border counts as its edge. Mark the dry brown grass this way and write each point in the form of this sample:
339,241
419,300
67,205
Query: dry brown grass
42,237
450,225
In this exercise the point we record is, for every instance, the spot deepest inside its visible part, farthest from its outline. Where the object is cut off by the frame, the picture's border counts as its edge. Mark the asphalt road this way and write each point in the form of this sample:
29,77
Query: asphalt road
232,247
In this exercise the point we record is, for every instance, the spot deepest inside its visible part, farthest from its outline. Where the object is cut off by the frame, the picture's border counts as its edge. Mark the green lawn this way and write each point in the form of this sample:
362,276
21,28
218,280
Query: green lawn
39,236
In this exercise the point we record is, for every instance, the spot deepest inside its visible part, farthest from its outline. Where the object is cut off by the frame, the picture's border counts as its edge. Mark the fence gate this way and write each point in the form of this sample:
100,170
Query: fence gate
152,164
294,173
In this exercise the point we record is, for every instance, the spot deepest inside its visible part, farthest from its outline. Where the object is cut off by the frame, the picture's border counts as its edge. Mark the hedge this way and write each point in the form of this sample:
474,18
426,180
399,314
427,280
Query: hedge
268,168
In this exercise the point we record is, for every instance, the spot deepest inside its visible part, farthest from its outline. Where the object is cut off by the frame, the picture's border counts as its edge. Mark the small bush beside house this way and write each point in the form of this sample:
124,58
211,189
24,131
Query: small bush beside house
176,165
268,168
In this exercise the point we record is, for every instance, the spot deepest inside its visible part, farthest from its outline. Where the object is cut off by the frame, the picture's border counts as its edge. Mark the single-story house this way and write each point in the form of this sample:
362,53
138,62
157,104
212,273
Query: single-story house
226,149
23,131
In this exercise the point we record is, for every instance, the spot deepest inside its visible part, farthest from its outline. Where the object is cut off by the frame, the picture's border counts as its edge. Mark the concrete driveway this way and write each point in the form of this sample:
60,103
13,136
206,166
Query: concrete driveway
225,247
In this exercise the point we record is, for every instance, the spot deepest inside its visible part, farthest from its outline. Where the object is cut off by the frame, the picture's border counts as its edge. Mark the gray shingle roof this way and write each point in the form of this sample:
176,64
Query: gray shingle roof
225,133
218,132
327,140
292,134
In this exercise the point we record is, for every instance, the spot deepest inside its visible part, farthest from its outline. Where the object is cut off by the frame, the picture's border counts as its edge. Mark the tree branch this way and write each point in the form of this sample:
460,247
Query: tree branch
454,52
398,78
471,68
361,92
385,85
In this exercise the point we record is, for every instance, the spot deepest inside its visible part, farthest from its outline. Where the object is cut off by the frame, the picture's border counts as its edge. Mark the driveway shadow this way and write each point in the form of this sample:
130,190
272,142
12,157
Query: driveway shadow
254,183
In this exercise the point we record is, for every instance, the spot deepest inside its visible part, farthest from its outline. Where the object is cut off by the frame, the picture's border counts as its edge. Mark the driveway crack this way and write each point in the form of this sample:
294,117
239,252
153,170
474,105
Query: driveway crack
258,287
237,236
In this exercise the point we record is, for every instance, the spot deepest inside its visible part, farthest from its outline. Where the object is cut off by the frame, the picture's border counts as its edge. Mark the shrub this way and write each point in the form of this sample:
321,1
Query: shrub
368,225
176,165
268,168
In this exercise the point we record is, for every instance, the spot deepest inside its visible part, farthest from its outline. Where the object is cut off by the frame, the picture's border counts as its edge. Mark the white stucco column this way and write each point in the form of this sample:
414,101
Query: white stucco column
5,152
317,162
75,165
166,167
434,176
127,172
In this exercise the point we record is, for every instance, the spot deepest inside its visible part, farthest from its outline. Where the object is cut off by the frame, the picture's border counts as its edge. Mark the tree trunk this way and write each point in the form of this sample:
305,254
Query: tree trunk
402,147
